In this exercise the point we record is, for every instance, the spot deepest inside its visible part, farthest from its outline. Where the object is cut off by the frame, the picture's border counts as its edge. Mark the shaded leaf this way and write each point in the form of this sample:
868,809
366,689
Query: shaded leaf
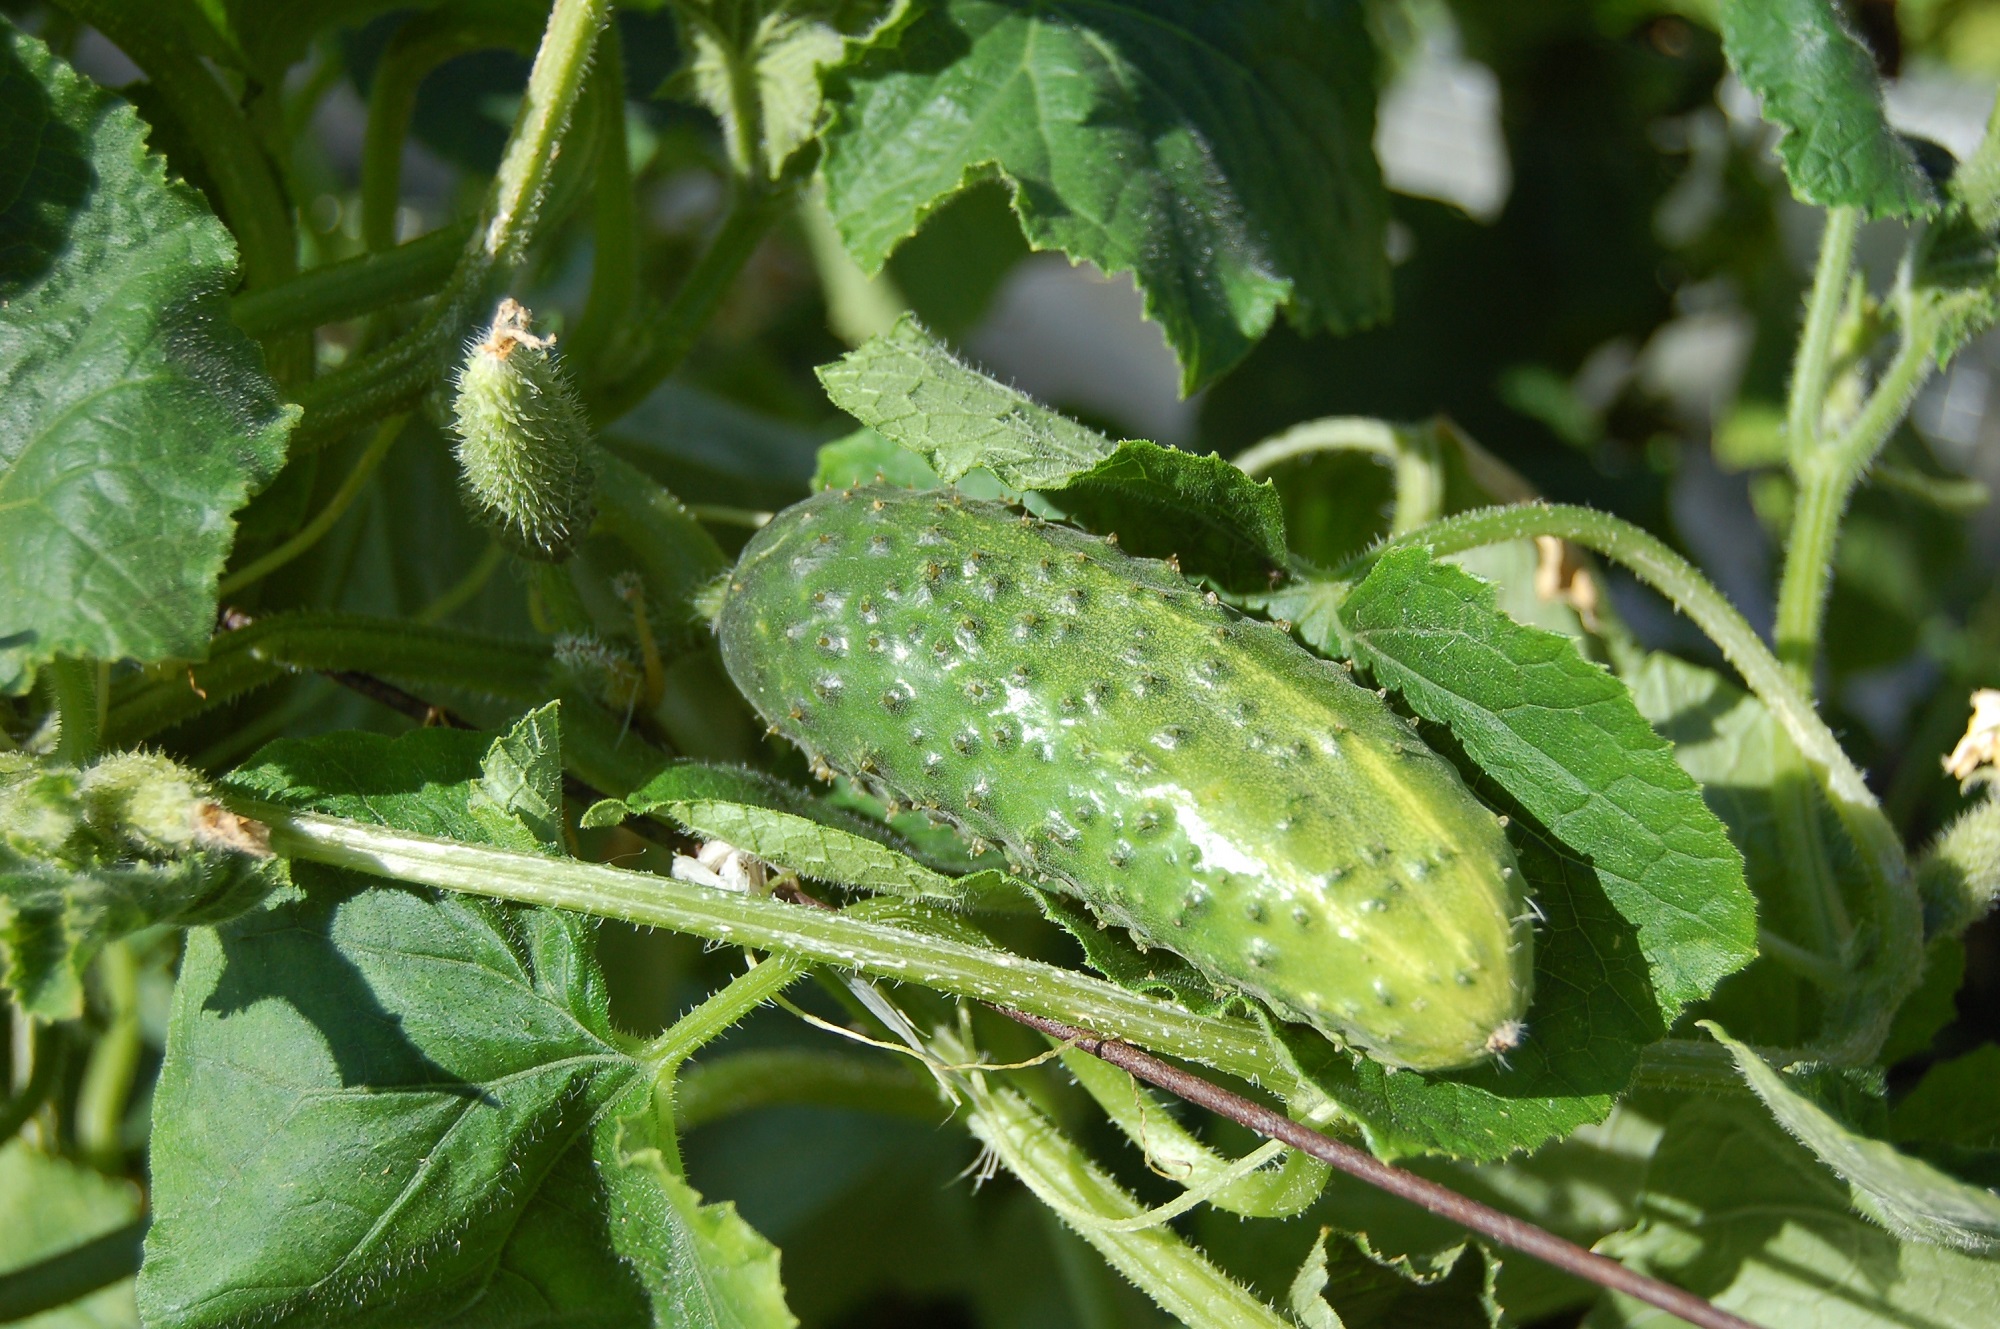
1213,518
1905,1194
388,1106
1953,1103
1221,153
1819,87
1565,739
1738,1212
134,417
49,1205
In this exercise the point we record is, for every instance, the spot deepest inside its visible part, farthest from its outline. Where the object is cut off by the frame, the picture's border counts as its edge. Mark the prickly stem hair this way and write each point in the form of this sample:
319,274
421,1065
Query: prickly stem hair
523,439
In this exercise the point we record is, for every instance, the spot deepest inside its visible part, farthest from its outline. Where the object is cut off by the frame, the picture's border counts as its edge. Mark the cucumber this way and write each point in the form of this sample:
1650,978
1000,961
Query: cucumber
1189,774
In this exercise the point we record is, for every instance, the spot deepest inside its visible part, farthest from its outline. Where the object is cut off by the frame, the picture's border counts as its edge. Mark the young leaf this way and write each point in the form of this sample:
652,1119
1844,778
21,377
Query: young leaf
1221,153
134,417
89,856
1564,738
1739,1213
1905,1194
782,51
1819,87
911,389
384,1106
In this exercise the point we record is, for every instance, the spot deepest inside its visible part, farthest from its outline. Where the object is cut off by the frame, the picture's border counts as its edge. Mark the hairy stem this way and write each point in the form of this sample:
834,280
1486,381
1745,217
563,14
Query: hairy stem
396,377
249,657
1501,1228
1813,362
1827,477
1235,1046
354,286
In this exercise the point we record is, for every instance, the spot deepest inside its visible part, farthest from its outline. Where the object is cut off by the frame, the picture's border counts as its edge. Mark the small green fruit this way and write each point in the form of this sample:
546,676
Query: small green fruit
523,440
1195,777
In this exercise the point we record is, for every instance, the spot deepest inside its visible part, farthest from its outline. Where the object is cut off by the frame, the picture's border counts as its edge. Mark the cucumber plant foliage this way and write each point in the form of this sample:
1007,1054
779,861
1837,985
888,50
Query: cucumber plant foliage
512,821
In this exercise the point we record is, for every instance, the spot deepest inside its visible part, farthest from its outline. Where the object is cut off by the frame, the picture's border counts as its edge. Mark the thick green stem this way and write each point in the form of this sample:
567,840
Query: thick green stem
695,303
396,377
1235,1046
336,507
614,270
1061,1175
252,656
354,286
1814,360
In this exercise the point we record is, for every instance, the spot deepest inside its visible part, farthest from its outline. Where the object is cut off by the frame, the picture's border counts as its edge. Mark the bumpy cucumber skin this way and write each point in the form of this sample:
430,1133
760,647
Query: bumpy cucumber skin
523,440
1189,774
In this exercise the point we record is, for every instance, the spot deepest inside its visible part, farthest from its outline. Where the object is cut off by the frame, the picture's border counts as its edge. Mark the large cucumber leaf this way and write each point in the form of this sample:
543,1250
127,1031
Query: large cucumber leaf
1222,153
134,417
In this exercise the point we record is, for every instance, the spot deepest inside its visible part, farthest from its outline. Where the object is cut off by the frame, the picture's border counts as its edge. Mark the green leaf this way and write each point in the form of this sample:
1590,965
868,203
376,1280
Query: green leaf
862,456
1819,87
779,51
912,390
521,779
1905,1194
1213,518
1564,738
1353,1286
51,1205
1956,280
1737,1212
1221,153
387,1106
720,1272
134,417
265,40
89,856
1954,1103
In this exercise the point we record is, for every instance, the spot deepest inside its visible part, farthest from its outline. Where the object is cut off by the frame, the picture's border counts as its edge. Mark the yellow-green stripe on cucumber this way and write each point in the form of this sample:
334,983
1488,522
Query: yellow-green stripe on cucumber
1189,774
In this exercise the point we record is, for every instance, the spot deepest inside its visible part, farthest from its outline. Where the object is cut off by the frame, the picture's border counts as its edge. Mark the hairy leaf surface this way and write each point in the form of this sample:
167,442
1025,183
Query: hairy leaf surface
1564,738
1221,153
134,417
